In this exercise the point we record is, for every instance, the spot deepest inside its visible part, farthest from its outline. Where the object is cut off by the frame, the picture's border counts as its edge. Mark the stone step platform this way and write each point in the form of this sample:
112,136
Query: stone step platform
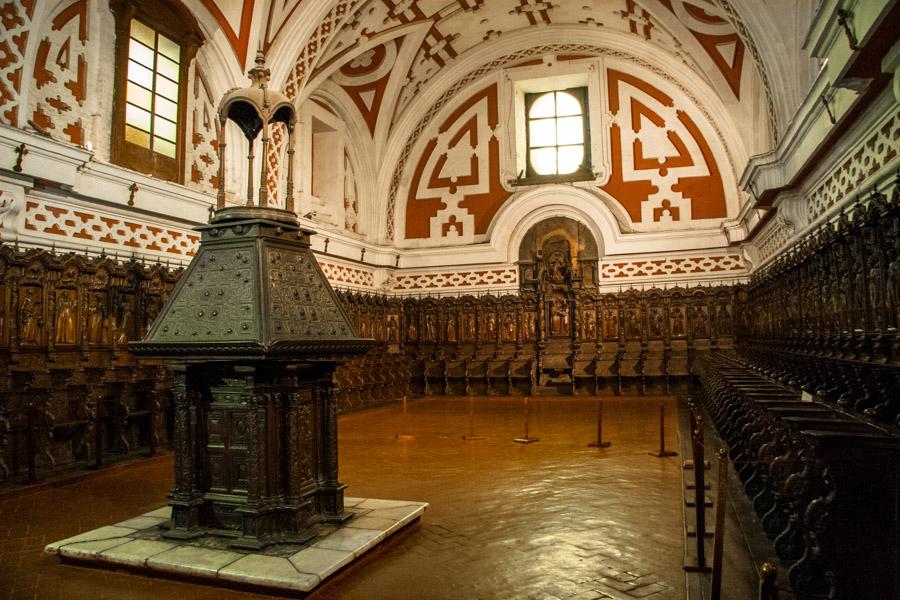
137,544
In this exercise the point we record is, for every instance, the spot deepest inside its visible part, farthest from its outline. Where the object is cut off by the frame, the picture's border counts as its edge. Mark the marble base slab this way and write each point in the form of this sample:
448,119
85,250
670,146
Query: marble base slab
138,544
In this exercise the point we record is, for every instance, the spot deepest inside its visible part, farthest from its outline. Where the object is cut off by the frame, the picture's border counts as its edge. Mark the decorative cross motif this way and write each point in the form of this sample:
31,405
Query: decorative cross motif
638,22
535,10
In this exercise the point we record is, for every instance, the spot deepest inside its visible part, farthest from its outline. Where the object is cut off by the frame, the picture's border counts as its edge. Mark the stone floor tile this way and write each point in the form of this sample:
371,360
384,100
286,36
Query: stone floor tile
615,584
648,590
376,523
142,522
400,513
101,533
321,561
88,550
268,571
136,552
350,540
163,513
191,560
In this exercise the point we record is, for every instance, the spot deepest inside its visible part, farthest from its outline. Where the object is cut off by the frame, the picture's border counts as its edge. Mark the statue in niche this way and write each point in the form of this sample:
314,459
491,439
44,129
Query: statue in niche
528,326
892,289
451,329
633,323
843,302
611,323
559,267
723,319
700,321
430,328
412,332
467,327
64,324
490,326
509,327
589,325
677,321
657,322
559,317
30,321
124,319
98,332
876,291
829,296
393,329
859,295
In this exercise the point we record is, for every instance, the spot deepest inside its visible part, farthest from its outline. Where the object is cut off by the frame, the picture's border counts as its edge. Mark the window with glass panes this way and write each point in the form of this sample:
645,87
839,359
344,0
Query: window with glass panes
557,133
151,97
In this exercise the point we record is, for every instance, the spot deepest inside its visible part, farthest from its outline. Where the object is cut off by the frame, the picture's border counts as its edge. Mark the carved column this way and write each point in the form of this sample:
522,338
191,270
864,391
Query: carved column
331,491
185,499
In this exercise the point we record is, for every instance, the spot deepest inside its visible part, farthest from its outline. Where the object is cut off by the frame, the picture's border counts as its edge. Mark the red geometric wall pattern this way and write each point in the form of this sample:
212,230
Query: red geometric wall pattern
455,189
717,36
60,74
662,166
203,150
15,16
235,18
365,78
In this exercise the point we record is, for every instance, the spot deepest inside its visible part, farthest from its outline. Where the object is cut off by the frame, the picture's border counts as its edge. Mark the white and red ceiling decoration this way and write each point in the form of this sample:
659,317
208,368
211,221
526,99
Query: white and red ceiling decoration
668,165
663,169
455,189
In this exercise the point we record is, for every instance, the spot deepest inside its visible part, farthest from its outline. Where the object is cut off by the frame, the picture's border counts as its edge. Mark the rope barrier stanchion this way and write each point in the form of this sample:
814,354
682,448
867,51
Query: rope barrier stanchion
526,439
403,435
472,437
699,498
662,435
719,540
599,443
768,590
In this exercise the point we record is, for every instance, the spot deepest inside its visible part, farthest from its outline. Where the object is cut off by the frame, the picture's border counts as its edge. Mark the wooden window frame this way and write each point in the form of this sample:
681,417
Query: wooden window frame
583,172
173,20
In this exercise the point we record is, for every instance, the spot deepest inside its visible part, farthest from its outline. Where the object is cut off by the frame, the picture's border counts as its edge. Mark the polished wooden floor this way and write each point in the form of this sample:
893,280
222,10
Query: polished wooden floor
552,519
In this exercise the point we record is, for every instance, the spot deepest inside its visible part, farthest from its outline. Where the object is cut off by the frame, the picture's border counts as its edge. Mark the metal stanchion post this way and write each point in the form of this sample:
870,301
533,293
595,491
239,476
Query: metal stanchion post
767,577
472,436
662,435
719,540
699,497
527,439
600,443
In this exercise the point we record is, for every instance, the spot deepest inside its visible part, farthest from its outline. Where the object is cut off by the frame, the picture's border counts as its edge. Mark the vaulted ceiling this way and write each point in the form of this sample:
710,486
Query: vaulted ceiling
726,42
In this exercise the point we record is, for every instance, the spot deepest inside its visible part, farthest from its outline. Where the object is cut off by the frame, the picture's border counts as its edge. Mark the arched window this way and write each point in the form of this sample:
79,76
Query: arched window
155,43
557,133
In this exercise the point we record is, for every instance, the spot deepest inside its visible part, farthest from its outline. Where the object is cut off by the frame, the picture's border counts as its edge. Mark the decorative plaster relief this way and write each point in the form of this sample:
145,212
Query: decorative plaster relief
663,169
16,18
61,74
92,229
203,143
876,150
235,17
691,265
344,275
717,36
456,189
479,277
